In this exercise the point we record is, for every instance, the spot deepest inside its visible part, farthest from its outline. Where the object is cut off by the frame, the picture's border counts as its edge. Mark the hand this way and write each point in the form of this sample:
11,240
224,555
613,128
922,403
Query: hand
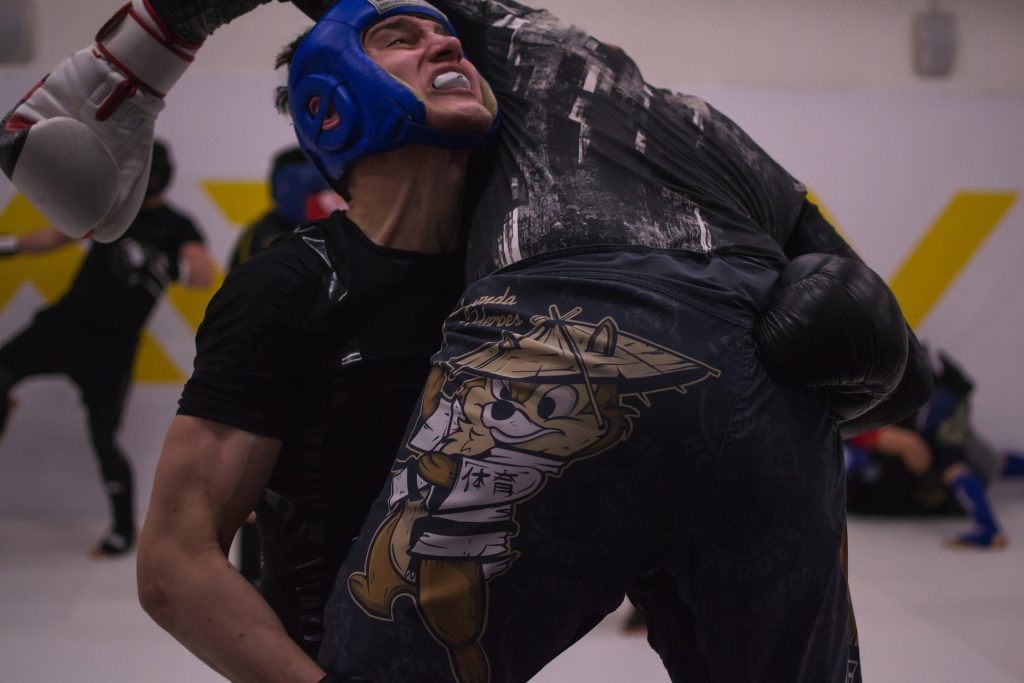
834,323
79,144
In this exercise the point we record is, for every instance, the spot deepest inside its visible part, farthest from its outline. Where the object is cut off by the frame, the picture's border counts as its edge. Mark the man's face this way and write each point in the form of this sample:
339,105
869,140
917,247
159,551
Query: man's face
421,53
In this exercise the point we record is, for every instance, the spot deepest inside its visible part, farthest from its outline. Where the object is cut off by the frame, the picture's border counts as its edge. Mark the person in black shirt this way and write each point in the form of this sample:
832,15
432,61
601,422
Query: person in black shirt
92,332
309,362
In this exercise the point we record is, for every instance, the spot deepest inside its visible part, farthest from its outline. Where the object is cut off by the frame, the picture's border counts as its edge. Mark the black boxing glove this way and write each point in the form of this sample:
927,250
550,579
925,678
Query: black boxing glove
833,323
913,392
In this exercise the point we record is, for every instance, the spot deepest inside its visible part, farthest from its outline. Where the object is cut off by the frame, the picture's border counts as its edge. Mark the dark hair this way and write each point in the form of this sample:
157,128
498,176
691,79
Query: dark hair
284,58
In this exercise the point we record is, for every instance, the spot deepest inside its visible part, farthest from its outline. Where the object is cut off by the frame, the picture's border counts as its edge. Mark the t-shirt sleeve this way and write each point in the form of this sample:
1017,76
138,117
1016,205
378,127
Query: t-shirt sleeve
260,347
814,234
182,232
188,232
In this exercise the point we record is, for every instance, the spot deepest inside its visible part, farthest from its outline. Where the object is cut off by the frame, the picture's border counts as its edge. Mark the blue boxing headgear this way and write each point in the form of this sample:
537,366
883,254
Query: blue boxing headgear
293,178
378,112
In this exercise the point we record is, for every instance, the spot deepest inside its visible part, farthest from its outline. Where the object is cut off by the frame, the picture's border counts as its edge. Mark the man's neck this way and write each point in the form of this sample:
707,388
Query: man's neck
410,198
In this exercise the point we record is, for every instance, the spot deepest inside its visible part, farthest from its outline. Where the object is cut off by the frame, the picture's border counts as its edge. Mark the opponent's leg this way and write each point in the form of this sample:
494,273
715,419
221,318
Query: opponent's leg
760,582
562,420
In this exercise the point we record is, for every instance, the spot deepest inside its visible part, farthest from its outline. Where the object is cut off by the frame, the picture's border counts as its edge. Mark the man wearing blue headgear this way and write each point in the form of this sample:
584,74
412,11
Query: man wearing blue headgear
600,420
311,357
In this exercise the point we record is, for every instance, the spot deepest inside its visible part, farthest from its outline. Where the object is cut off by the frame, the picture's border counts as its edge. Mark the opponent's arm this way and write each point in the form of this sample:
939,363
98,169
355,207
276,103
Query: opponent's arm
208,479
79,144
871,321
834,323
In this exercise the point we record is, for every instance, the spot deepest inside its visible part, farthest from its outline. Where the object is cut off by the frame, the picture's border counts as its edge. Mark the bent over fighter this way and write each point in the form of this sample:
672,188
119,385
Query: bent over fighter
613,385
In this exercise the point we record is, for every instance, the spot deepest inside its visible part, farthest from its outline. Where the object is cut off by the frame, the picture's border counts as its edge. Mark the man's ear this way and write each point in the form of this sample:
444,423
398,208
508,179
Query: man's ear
331,120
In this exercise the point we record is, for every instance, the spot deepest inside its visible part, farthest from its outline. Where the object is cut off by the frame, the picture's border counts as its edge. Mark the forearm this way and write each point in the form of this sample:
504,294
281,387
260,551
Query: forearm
208,479
214,612
191,21
43,240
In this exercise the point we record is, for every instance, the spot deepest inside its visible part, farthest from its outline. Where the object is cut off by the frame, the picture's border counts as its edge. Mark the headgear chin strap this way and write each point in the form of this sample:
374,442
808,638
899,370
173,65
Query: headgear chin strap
377,111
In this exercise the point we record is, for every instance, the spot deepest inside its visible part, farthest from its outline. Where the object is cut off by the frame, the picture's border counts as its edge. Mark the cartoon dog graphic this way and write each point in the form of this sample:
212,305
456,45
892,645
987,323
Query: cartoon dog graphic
495,425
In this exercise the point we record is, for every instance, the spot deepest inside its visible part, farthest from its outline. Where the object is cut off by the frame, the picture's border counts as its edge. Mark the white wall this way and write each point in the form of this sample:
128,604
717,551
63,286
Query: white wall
800,43
824,85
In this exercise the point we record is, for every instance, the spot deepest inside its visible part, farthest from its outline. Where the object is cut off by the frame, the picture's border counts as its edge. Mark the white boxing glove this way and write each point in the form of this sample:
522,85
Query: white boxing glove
79,144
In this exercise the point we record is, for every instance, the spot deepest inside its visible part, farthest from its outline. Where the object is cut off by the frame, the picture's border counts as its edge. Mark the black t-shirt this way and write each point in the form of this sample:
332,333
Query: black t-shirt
322,340
294,318
590,154
119,282
259,235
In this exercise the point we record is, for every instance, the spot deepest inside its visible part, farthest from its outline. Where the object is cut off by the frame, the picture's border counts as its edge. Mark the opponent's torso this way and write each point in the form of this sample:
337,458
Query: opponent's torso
590,154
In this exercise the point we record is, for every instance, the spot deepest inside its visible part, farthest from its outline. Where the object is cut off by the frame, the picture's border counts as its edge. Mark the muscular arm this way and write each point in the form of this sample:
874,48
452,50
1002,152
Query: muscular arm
208,479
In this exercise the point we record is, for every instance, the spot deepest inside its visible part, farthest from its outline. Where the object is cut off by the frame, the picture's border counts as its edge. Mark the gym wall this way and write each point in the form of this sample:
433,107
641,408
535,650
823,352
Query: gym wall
924,176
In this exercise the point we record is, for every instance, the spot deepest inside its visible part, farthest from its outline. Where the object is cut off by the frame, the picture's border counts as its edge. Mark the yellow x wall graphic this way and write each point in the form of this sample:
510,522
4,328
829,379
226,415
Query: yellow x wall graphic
919,283
945,249
50,273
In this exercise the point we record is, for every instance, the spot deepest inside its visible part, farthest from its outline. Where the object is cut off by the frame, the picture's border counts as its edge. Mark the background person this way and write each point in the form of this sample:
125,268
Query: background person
932,463
298,193
92,332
